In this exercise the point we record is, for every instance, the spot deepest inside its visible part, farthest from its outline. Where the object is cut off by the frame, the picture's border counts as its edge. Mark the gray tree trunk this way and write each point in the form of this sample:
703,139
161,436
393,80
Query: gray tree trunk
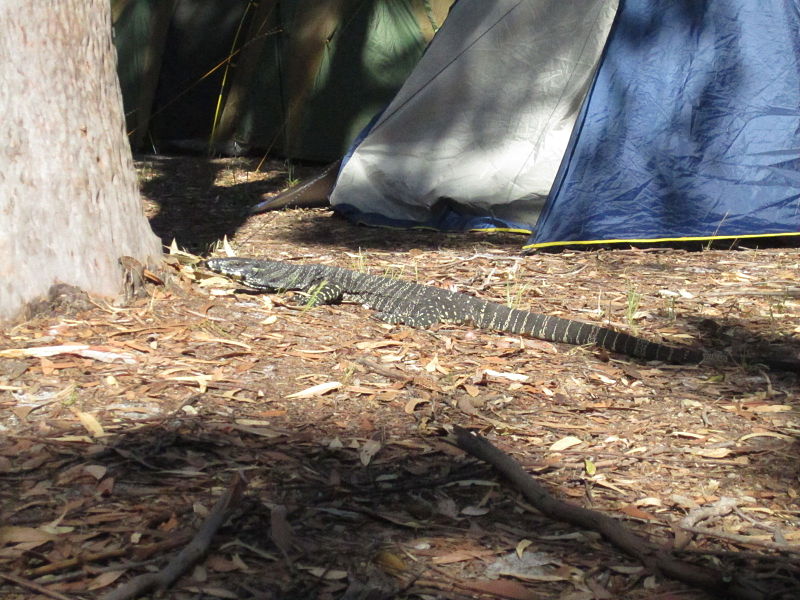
69,199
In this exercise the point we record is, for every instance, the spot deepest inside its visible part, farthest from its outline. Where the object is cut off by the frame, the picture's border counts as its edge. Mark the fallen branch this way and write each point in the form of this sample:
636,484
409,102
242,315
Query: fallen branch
654,559
32,585
75,562
190,554
141,553
720,508
397,375
784,293
743,539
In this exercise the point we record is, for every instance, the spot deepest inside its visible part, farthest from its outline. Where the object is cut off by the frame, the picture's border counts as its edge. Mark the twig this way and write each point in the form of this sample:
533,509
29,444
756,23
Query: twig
743,539
385,371
720,508
788,292
55,567
775,560
474,586
31,585
140,553
398,375
71,575
611,529
190,554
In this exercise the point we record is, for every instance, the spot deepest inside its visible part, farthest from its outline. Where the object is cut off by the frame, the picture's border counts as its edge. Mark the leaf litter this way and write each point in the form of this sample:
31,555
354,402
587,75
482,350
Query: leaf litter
116,445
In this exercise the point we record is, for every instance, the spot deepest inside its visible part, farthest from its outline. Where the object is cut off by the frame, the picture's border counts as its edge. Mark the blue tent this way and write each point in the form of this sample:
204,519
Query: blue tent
690,131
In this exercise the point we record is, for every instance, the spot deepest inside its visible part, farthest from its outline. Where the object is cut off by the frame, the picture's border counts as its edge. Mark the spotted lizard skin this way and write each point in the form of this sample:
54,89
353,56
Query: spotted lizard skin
405,302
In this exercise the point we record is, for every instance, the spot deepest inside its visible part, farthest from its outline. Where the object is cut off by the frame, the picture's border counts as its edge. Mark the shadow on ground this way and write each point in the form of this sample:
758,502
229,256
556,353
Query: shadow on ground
199,201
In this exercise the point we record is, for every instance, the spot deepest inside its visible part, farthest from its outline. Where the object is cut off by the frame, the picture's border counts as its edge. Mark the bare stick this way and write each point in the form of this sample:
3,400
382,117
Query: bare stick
140,553
32,585
743,539
180,563
720,508
397,375
611,529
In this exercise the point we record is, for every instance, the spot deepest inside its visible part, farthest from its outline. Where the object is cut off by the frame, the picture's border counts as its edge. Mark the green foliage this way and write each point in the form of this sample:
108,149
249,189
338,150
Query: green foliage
312,299
634,298
515,291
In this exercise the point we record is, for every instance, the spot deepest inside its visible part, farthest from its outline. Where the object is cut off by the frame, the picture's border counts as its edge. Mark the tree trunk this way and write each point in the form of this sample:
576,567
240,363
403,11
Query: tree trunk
69,199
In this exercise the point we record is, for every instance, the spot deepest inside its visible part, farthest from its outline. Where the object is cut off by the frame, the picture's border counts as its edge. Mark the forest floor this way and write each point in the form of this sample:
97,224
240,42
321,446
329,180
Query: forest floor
114,451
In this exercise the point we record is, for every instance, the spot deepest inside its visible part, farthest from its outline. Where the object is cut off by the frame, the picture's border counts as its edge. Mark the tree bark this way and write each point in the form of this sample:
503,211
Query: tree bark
69,200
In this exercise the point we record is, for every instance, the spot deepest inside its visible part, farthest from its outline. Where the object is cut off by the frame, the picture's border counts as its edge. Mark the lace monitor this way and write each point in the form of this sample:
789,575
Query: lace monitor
417,305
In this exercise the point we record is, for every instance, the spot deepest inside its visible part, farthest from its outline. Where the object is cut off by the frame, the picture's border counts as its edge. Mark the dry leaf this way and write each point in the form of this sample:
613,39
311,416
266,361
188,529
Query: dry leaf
712,452
325,573
106,486
253,422
204,337
96,471
433,364
771,408
502,588
779,436
521,546
15,535
89,423
316,390
460,556
104,579
565,442
510,376
530,566
474,511
688,434
412,404
100,353
280,529
472,390
389,561
447,506
378,344
226,246
638,513
202,381
604,379
368,450
74,438
649,502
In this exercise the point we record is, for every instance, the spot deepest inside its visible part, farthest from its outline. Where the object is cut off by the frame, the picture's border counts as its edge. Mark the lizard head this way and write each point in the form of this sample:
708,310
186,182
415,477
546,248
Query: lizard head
255,273
235,268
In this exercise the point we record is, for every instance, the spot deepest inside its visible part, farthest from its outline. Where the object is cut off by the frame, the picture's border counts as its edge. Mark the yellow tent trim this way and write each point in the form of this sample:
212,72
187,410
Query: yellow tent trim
429,228
658,240
502,230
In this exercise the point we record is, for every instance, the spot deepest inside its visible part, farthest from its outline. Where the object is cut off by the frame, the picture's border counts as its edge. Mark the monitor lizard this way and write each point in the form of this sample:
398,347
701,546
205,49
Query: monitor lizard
405,302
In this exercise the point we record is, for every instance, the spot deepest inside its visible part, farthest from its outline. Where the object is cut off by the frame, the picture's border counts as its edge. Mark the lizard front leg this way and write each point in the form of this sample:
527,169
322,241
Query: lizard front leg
323,292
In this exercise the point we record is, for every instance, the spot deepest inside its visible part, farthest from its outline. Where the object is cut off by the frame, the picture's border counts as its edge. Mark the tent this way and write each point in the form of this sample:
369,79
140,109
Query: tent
691,130
291,77
585,123
475,136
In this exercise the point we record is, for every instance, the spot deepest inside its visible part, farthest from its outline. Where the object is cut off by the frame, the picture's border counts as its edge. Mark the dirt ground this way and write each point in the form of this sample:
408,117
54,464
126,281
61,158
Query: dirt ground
114,450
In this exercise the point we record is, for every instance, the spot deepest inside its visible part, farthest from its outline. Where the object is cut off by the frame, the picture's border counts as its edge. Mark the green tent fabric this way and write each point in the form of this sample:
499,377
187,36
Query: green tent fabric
303,80
140,29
